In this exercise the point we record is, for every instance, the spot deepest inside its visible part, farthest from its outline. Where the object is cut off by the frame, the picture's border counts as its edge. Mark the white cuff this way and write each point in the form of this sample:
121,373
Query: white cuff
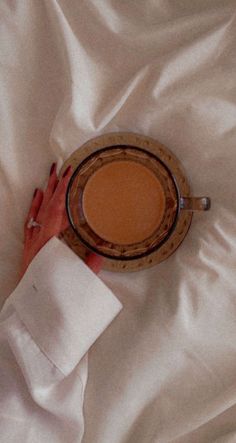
64,305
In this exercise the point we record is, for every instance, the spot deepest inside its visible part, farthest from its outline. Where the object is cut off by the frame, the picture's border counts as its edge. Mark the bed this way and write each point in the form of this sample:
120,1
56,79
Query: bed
165,370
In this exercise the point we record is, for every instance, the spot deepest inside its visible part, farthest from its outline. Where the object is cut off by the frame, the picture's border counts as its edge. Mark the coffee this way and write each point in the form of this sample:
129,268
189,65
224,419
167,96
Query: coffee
123,202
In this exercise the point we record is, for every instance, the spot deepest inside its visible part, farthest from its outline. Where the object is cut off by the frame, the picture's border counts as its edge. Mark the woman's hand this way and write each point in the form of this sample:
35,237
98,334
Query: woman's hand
48,209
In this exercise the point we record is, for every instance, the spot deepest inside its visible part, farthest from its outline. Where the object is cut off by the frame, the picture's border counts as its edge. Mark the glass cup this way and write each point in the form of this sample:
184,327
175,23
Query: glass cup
174,202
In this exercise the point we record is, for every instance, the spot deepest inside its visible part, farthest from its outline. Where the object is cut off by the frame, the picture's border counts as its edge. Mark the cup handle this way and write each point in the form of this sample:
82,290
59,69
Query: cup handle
195,203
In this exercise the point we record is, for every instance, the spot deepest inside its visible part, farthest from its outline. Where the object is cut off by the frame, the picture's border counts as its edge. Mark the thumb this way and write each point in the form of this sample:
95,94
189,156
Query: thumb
94,262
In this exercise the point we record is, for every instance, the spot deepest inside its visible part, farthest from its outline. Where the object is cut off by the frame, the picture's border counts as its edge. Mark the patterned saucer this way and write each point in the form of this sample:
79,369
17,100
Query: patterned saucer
92,155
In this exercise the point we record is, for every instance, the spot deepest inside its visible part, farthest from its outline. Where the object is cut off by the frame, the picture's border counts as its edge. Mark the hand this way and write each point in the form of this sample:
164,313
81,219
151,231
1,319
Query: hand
48,209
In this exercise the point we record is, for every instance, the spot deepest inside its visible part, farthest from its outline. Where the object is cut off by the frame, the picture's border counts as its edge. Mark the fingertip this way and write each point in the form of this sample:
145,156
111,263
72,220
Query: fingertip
35,192
53,168
39,192
55,184
61,188
94,262
38,197
67,172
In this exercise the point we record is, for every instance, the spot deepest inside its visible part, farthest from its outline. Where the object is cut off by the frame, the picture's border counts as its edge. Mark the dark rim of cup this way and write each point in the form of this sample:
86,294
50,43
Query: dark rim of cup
92,248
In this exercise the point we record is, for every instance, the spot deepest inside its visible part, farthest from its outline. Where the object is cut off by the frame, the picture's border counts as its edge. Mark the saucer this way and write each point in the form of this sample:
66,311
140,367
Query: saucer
91,157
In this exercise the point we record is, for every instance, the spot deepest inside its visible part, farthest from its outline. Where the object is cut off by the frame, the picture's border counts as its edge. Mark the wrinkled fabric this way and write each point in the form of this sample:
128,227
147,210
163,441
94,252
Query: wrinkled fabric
48,324
165,369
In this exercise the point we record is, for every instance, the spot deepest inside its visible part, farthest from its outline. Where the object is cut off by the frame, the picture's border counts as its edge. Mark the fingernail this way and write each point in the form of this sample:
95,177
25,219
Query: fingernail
95,262
67,170
35,192
52,168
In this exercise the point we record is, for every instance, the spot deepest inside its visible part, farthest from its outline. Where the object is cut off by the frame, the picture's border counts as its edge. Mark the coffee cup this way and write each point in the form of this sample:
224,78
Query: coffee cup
124,202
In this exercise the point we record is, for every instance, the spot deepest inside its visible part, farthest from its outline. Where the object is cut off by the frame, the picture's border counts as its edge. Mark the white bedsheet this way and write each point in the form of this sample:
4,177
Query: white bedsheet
165,370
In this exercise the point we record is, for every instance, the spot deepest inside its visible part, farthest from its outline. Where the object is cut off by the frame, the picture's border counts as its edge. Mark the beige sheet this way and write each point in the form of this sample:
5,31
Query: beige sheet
165,370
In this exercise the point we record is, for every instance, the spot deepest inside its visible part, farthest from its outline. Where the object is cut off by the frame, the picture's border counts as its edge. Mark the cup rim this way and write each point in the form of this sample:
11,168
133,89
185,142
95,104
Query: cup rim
92,248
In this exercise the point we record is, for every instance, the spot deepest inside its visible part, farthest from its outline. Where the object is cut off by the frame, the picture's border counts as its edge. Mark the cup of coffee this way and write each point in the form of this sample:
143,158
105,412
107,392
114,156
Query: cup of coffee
124,202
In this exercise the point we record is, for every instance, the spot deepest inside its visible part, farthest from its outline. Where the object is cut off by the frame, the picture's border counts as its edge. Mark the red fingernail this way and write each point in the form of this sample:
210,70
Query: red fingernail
35,192
55,185
52,168
67,170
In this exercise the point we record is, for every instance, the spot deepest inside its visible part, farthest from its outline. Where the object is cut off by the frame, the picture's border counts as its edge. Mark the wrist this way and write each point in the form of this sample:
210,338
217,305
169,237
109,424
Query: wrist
42,239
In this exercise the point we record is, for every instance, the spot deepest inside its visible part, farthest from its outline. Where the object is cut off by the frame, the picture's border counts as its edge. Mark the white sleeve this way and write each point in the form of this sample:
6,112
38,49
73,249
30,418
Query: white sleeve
47,326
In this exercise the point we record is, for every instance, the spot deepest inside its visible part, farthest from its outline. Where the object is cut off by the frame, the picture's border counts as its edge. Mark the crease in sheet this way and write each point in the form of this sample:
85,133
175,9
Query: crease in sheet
189,60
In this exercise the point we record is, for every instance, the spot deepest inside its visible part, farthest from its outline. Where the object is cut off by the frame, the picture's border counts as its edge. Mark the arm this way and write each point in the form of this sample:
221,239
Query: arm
56,313
48,324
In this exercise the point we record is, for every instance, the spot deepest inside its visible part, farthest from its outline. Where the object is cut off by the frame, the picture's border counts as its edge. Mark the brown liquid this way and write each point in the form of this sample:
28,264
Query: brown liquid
123,202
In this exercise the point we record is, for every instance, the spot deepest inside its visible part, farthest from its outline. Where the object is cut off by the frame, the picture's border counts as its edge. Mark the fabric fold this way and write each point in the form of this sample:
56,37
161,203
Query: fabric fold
63,304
